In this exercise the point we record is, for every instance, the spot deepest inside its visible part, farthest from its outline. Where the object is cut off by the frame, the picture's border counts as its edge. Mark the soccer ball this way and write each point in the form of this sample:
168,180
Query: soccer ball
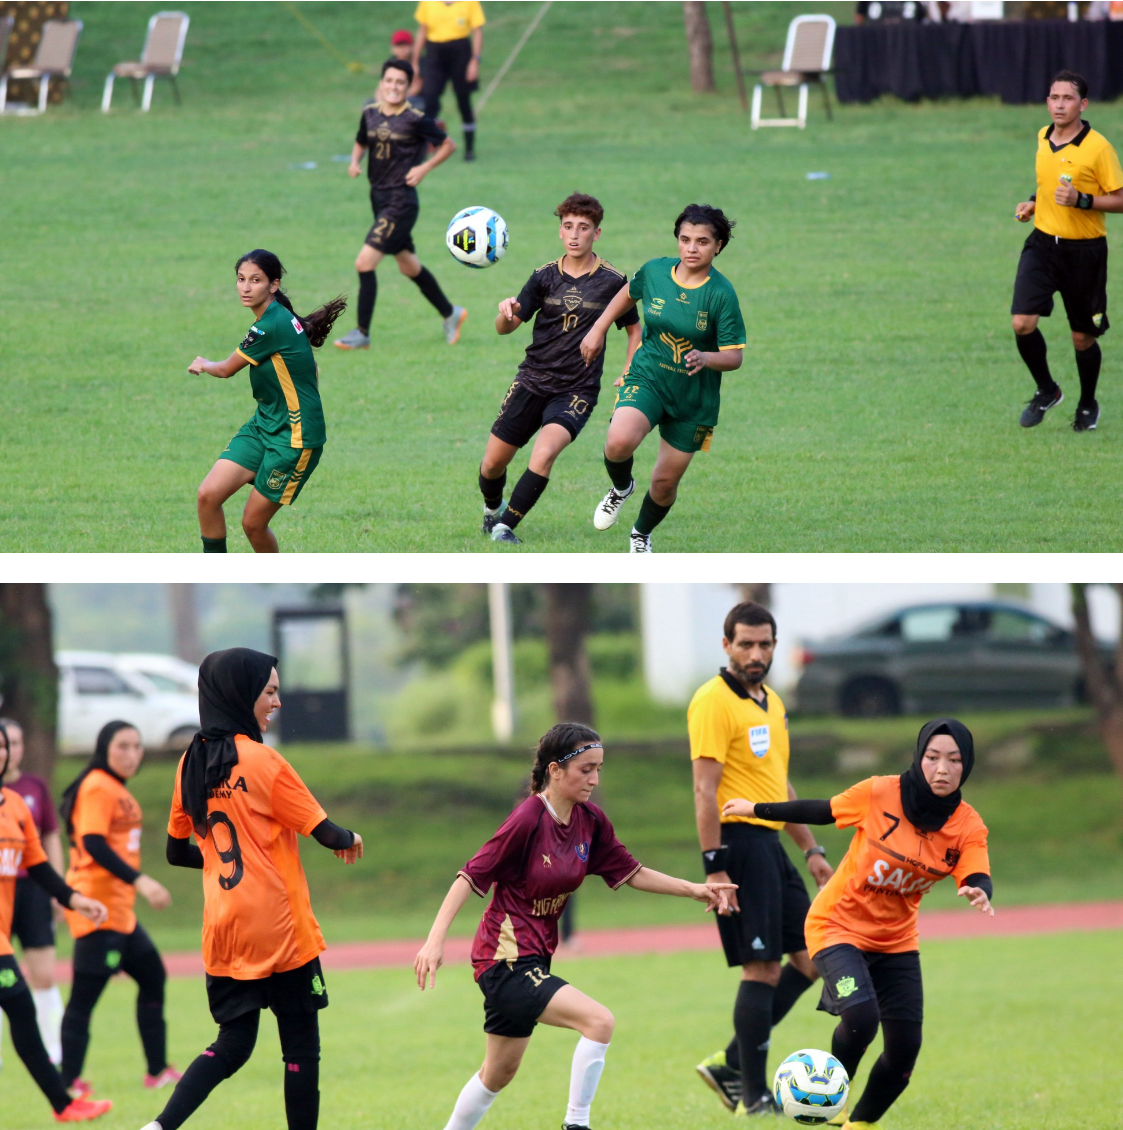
811,1086
477,237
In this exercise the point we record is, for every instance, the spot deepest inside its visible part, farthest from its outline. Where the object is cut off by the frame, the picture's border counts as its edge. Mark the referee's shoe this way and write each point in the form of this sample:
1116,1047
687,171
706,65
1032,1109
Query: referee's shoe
1040,404
725,1082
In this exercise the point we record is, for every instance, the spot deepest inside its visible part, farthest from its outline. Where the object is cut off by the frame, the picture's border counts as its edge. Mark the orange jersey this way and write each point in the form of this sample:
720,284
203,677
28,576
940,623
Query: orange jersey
872,900
104,807
257,916
19,847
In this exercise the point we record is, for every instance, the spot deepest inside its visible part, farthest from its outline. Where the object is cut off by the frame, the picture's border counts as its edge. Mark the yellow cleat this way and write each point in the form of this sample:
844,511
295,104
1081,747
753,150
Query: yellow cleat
860,1126
840,1119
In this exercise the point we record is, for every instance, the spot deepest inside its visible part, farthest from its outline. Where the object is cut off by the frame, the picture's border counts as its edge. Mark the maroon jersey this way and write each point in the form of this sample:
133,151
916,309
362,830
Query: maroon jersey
536,863
37,796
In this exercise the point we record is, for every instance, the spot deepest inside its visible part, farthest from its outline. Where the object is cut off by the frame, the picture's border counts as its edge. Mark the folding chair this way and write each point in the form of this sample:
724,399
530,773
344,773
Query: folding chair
54,58
163,51
807,59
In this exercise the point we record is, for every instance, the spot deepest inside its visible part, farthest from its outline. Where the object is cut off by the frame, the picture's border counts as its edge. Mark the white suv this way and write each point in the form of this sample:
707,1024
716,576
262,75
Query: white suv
156,693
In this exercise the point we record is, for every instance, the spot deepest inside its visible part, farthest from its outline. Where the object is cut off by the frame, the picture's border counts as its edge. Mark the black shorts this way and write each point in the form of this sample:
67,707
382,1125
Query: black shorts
299,990
105,952
523,412
33,920
395,213
852,976
11,978
1075,267
516,995
770,893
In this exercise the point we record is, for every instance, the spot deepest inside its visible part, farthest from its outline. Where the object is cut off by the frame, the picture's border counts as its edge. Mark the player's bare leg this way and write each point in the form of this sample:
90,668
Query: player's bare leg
256,517
224,479
502,1059
670,466
552,440
626,431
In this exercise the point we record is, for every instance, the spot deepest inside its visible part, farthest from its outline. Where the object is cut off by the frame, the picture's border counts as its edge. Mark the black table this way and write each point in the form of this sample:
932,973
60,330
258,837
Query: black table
1014,60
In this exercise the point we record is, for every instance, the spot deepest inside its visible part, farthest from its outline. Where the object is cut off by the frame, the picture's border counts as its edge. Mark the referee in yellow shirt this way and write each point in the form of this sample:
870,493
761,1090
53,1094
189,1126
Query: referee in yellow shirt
451,35
739,748
1078,180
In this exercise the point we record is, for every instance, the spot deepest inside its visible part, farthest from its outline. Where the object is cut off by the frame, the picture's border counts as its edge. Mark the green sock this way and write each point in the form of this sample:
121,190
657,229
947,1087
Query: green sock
214,545
650,515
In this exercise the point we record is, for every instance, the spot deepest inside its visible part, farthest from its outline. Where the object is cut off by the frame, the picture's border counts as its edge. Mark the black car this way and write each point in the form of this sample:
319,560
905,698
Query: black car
933,658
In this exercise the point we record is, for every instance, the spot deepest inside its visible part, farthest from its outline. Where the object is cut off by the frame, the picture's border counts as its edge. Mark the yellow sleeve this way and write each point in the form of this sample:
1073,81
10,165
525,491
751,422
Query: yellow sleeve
707,722
419,13
476,15
1108,172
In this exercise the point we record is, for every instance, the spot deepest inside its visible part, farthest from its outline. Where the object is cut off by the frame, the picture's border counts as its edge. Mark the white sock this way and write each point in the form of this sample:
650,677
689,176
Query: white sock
48,1012
471,1105
588,1063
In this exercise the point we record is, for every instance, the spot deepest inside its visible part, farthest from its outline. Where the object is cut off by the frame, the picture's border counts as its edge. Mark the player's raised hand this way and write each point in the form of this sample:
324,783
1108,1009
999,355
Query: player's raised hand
90,908
1066,196
510,308
1023,213
591,345
716,896
739,807
352,854
977,897
429,959
695,362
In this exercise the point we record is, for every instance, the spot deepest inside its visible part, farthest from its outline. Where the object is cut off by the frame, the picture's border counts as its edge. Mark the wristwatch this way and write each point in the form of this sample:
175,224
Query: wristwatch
818,849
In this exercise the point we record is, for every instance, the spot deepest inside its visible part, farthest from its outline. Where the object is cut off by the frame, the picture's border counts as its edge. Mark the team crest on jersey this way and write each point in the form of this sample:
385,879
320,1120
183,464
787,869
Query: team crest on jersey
655,305
951,856
582,850
383,132
546,861
702,320
572,301
296,325
277,478
254,335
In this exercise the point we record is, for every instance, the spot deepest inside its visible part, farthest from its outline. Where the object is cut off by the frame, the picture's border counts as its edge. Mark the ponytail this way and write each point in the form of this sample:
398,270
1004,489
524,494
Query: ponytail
316,325
556,745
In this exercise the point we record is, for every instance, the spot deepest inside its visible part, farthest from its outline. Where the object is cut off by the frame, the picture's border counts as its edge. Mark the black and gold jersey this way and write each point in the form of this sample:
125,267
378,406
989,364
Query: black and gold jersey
564,309
396,141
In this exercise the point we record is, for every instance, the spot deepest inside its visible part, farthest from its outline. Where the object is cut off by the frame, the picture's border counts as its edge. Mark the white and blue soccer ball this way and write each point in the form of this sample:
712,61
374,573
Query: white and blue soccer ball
811,1086
477,236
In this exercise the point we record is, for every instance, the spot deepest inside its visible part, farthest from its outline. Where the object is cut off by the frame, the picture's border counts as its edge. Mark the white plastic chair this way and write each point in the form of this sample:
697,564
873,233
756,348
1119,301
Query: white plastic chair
162,54
54,58
807,59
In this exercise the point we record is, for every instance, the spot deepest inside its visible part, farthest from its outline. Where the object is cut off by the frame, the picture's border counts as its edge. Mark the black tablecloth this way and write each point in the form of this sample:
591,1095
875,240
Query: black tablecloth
1013,60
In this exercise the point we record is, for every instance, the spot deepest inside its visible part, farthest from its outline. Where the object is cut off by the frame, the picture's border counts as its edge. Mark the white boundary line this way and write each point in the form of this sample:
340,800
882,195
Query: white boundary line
513,56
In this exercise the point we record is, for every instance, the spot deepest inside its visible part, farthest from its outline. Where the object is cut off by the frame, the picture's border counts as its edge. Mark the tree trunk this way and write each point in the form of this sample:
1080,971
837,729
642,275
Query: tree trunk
185,622
567,624
758,594
700,44
28,675
1105,687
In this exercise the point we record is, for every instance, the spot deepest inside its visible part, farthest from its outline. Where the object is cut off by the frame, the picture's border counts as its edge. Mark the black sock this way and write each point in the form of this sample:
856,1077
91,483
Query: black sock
1035,354
890,1075
368,292
752,1021
650,515
432,291
302,1094
214,545
1088,366
528,490
470,138
620,473
29,1047
733,1054
792,986
492,490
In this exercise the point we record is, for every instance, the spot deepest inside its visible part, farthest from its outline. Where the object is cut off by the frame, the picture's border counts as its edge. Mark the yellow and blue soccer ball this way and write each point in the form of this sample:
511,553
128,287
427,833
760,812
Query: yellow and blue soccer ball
477,236
811,1086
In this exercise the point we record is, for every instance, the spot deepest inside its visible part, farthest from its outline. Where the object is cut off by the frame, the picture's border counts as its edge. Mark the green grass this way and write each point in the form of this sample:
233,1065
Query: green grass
876,409
1000,1049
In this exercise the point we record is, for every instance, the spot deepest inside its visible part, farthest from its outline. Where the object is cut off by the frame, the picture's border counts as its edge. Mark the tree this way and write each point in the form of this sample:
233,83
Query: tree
185,622
700,44
567,625
1103,681
28,675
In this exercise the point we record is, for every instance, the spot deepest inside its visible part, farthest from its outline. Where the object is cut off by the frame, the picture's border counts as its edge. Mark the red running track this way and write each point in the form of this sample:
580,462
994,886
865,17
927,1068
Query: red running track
934,925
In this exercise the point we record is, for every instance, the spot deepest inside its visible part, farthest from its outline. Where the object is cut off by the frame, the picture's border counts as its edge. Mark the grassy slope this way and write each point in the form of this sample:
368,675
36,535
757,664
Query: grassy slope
876,410
998,1051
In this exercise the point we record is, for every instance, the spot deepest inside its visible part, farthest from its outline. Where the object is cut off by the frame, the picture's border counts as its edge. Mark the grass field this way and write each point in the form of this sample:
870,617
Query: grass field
1011,1025
877,409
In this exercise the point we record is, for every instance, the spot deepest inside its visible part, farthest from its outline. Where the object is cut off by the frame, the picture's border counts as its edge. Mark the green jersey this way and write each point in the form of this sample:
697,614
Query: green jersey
677,319
283,379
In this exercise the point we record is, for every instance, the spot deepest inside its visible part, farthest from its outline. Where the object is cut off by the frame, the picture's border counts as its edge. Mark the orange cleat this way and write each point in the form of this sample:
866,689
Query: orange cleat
80,1089
84,1110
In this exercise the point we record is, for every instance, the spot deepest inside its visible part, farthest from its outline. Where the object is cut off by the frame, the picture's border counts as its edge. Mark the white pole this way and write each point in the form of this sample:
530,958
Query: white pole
503,705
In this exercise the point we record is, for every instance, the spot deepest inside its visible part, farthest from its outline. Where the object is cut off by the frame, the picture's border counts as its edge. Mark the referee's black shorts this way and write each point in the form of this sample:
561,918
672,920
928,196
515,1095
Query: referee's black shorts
1075,267
770,893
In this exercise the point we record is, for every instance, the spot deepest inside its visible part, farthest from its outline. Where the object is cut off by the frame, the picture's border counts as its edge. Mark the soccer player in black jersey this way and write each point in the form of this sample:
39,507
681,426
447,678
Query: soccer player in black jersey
554,392
395,135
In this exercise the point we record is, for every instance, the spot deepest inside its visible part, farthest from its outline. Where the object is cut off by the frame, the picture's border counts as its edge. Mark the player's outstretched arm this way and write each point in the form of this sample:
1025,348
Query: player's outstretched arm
723,361
419,172
431,956
46,877
714,895
508,320
976,894
804,839
222,369
593,341
345,844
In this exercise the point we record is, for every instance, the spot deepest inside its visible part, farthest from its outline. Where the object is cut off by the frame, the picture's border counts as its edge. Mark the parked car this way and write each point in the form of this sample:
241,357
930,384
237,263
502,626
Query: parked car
933,658
155,693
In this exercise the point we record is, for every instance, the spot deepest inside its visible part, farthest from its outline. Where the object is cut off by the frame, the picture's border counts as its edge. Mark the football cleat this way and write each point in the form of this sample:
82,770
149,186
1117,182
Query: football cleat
167,1078
1040,404
840,1119
80,1089
453,323
491,517
1086,419
639,543
356,339
605,515
859,1126
501,532
722,1079
83,1110
765,1105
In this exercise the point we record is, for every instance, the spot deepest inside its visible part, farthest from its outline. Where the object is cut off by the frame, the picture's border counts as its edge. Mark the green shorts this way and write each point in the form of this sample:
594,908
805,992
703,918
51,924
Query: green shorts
281,471
682,435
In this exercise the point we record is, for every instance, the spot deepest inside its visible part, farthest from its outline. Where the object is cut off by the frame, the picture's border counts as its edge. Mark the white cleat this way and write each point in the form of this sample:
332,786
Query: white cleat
605,515
639,543
453,323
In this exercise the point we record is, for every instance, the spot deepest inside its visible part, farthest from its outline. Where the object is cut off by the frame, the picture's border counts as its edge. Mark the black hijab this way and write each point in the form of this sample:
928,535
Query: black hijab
923,808
7,753
230,682
100,760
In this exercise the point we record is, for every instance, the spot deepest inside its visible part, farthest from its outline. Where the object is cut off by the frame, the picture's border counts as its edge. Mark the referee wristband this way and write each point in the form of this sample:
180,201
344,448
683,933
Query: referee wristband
1084,201
715,860
818,849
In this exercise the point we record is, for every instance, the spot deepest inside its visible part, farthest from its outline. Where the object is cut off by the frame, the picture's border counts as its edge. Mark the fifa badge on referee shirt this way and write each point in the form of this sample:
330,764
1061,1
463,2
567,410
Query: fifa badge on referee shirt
760,739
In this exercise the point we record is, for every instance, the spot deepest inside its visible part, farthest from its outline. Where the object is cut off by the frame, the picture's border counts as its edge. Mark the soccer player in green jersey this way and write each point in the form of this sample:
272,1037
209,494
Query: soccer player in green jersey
692,333
278,449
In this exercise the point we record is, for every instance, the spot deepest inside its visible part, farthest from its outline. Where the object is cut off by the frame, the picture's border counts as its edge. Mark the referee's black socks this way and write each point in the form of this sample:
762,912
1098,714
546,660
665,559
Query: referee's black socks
492,490
752,1021
1035,354
1088,366
432,291
528,490
368,292
791,987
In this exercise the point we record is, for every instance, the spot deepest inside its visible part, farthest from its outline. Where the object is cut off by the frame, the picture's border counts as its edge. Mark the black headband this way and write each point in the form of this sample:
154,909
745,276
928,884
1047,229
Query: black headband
579,749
